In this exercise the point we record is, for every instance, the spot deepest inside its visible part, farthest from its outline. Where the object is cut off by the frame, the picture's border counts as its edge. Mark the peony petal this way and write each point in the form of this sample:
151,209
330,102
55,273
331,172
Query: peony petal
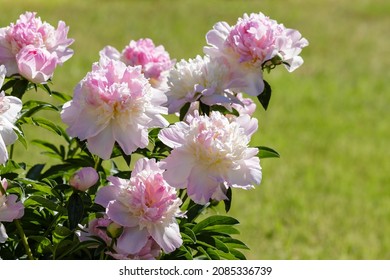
132,240
120,214
201,186
174,135
110,52
217,36
3,152
3,72
3,234
167,237
247,175
249,124
130,138
83,121
7,132
178,167
15,107
107,194
11,210
102,144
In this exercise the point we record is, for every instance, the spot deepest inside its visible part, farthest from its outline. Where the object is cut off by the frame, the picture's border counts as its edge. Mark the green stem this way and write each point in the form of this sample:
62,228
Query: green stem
98,162
24,239
11,152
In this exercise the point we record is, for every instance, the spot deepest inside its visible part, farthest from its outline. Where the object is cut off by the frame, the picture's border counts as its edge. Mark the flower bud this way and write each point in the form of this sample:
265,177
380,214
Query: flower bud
114,230
36,64
84,179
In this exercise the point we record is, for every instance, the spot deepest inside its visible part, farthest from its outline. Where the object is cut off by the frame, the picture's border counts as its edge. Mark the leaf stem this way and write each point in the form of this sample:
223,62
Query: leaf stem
24,239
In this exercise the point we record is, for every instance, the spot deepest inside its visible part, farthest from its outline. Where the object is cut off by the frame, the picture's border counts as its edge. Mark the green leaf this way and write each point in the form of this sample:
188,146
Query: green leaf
58,170
63,248
265,96
222,229
265,152
60,233
213,254
9,167
153,134
61,96
45,87
33,106
9,84
194,210
36,185
228,201
44,123
44,202
203,108
34,173
237,254
75,210
224,111
233,243
43,244
51,149
20,134
214,220
184,110
19,88
204,252
189,234
220,245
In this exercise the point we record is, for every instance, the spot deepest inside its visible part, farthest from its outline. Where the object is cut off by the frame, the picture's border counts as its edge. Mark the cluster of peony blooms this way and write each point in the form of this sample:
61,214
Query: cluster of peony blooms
127,93
33,49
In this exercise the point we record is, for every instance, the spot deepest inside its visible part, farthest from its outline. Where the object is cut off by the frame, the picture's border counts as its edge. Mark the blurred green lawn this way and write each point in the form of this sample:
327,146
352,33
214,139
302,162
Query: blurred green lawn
328,196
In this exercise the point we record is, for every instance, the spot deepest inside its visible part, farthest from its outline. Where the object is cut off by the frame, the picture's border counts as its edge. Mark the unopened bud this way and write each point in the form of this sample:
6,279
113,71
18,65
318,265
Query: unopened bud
84,179
114,230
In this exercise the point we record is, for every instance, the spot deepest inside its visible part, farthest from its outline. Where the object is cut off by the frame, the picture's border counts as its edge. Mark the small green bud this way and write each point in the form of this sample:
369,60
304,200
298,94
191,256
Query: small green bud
114,230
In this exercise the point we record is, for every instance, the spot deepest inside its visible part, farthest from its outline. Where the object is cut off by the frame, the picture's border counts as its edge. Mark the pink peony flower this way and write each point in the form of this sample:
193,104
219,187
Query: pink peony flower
114,102
211,154
9,109
150,251
146,206
246,105
29,30
84,179
35,64
9,208
256,41
155,61
204,79
96,227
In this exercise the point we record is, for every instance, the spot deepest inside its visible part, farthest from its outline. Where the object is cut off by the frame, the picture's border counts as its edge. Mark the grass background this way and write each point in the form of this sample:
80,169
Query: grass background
328,196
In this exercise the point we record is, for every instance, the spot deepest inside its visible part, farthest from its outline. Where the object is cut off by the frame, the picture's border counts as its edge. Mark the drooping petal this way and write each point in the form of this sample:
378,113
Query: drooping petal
201,186
102,143
178,167
129,138
132,240
167,237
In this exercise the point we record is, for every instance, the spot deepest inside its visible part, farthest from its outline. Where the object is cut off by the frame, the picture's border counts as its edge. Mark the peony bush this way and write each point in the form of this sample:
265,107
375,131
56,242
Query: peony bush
128,184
